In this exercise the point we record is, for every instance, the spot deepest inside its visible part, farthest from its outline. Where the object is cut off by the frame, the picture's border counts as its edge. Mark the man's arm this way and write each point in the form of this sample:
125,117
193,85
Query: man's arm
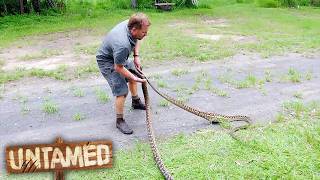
136,55
124,71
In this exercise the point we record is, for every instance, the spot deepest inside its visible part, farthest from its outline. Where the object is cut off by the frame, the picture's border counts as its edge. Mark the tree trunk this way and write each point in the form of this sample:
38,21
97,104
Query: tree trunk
21,7
134,3
5,7
36,5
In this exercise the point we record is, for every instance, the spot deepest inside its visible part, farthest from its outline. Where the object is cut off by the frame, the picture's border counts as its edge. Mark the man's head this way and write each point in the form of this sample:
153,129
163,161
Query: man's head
139,25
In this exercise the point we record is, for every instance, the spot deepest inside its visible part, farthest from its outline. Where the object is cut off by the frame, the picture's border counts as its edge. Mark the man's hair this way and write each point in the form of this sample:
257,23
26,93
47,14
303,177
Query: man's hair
137,20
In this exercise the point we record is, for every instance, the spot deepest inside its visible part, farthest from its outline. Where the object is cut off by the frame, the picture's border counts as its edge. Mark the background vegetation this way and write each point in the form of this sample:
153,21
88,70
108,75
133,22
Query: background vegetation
8,7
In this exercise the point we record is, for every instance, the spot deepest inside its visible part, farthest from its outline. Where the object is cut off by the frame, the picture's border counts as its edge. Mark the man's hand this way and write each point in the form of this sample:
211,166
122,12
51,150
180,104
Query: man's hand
140,80
136,62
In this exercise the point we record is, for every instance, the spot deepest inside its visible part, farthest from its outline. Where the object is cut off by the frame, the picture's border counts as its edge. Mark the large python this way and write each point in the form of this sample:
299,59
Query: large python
210,116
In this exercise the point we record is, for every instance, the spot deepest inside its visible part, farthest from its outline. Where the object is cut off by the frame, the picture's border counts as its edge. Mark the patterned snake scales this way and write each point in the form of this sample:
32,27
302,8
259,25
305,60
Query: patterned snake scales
210,116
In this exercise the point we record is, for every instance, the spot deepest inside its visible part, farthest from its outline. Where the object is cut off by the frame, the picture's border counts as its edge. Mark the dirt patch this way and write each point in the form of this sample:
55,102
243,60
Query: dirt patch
63,42
236,38
215,22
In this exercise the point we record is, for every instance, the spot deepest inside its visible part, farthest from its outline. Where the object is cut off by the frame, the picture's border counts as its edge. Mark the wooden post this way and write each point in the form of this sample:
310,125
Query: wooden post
21,6
58,175
134,4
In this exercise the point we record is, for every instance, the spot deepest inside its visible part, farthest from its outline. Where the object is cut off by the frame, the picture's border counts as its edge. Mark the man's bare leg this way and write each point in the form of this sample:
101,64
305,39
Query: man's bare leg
133,88
121,124
136,102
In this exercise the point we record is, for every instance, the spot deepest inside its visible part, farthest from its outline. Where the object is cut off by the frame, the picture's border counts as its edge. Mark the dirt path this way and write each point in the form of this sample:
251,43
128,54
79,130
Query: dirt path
34,126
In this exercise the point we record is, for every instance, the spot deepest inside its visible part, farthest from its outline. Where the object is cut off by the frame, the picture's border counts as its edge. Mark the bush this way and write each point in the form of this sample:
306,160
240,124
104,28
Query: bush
268,3
289,3
13,6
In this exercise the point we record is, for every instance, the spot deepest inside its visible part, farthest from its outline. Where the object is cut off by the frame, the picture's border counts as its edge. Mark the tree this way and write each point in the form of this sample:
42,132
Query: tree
21,6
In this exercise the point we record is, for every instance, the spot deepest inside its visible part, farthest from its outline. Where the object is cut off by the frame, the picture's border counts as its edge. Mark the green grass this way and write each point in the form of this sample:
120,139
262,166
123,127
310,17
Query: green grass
249,81
162,83
275,32
268,76
88,49
62,72
309,75
89,68
49,107
179,72
78,92
164,103
2,63
101,95
78,117
204,79
293,75
23,103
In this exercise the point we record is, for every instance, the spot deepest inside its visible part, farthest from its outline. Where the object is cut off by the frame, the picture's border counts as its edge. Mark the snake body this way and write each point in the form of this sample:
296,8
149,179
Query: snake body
151,136
210,116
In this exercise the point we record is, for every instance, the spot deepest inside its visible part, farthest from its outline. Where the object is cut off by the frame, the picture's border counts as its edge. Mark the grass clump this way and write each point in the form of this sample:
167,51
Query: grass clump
78,117
164,103
293,75
203,79
162,84
308,76
78,92
101,95
249,81
179,72
84,70
49,107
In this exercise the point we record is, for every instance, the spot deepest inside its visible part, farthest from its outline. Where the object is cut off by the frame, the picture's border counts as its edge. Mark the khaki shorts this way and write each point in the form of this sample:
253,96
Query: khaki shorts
116,81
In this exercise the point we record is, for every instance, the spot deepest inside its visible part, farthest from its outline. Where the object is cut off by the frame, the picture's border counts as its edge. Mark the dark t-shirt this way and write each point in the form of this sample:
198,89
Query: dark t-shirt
116,47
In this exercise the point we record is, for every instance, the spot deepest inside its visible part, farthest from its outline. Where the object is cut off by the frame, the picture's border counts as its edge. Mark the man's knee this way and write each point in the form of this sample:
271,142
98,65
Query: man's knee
122,96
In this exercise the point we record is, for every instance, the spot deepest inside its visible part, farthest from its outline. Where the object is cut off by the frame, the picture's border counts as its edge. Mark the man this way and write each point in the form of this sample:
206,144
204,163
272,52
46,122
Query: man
113,62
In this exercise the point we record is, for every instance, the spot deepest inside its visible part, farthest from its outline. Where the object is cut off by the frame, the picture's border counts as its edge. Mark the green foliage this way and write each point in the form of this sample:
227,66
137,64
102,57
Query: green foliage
12,7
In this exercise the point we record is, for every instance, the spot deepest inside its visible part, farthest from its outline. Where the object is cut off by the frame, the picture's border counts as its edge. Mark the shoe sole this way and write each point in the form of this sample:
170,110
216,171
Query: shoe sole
124,132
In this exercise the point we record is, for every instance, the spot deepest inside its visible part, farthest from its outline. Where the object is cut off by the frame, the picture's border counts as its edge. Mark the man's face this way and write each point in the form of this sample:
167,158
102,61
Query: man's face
140,33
